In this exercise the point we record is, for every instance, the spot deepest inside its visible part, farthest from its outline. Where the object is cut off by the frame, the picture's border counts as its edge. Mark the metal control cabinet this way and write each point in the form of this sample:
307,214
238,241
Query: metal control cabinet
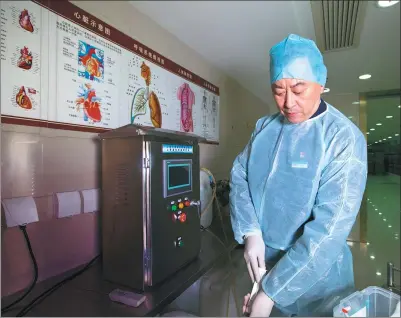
150,204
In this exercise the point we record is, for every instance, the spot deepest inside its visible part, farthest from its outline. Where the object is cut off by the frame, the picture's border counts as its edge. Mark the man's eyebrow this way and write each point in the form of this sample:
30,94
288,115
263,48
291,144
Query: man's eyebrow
298,84
292,86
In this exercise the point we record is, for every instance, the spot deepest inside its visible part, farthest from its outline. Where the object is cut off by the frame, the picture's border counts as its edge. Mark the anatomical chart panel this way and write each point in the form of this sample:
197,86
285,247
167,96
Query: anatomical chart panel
210,116
186,96
88,73
145,93
184,100
60,64
215,125
197,111
20,58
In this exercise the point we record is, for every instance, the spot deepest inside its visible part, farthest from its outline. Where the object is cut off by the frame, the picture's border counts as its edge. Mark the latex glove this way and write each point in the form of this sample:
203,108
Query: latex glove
254,256
262,305
259,306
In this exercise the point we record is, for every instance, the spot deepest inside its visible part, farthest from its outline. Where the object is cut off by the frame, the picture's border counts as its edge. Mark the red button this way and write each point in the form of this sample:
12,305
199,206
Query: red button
182,217
187,203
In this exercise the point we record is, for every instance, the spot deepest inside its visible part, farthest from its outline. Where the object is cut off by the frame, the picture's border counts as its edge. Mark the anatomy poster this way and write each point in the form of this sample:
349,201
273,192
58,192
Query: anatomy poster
186,97
185,100
65,67
209,115
20,58
144,92
87,77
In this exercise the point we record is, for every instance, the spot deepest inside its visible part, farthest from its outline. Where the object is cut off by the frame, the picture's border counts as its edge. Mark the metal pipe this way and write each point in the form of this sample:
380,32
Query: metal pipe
390,274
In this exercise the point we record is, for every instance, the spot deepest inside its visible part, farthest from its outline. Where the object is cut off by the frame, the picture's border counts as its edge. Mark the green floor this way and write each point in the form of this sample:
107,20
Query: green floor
370,261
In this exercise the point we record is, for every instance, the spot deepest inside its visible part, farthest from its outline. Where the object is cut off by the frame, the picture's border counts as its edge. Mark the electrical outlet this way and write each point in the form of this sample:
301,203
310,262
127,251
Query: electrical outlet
91,200
69,204
20,211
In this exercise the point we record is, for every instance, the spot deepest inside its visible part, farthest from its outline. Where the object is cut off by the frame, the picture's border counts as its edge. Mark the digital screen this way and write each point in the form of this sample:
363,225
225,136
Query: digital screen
179,175
170,148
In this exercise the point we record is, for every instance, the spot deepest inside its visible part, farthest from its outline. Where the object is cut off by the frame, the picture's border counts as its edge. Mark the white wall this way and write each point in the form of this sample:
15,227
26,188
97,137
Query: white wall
239,109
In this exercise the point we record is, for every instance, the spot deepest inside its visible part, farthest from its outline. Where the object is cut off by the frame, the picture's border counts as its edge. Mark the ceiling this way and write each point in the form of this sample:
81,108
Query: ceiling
377,111
236,36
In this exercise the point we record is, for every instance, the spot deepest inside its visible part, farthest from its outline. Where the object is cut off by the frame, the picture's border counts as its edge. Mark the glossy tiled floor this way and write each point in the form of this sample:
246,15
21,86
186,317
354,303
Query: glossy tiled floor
383,193
211,296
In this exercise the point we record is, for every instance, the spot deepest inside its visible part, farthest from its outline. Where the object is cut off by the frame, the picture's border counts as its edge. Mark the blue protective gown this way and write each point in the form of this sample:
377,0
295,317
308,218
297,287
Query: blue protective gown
300,186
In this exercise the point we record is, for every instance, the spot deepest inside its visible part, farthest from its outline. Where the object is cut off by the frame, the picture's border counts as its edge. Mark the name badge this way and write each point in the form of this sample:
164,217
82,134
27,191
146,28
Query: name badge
299,165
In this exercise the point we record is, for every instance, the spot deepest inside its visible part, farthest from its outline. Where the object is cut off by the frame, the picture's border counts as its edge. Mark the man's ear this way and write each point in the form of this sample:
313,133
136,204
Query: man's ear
321,89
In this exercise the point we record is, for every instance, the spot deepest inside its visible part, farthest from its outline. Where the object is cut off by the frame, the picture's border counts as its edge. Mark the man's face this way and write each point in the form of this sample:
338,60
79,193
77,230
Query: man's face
297,99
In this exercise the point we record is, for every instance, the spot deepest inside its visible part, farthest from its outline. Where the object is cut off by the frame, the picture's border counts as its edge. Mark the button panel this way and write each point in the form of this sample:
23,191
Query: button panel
178,205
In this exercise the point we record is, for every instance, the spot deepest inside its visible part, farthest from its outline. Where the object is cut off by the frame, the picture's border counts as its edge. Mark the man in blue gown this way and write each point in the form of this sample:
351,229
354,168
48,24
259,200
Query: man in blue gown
296,190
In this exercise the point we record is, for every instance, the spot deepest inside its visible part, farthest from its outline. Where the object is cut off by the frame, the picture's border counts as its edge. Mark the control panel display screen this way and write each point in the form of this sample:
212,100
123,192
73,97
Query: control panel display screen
179,176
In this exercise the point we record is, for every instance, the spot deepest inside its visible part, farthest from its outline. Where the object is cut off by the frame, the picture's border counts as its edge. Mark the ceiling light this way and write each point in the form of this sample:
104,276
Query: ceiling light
326,90
375,142
350,117
378,273
389,226
396,135
384,139
380,213
375,209
378,124
355,103
372,129
384,220
389,117
386,4
365,76
399,106
367,243
368,133
372,257
389,137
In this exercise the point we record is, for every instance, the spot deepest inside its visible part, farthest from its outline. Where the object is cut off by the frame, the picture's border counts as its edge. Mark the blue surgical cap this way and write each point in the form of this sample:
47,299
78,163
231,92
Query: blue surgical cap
297,57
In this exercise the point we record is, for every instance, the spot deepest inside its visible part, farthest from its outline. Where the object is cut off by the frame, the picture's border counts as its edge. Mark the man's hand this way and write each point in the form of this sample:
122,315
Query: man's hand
254,256
260,306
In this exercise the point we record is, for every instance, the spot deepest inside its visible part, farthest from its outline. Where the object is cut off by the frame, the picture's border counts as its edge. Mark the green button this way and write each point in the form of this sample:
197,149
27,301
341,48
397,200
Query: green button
180,243
174,208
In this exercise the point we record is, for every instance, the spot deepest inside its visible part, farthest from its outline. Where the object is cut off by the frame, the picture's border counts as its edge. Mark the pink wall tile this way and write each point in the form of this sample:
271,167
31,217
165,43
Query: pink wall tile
39,163
70,164
22,165
58,245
